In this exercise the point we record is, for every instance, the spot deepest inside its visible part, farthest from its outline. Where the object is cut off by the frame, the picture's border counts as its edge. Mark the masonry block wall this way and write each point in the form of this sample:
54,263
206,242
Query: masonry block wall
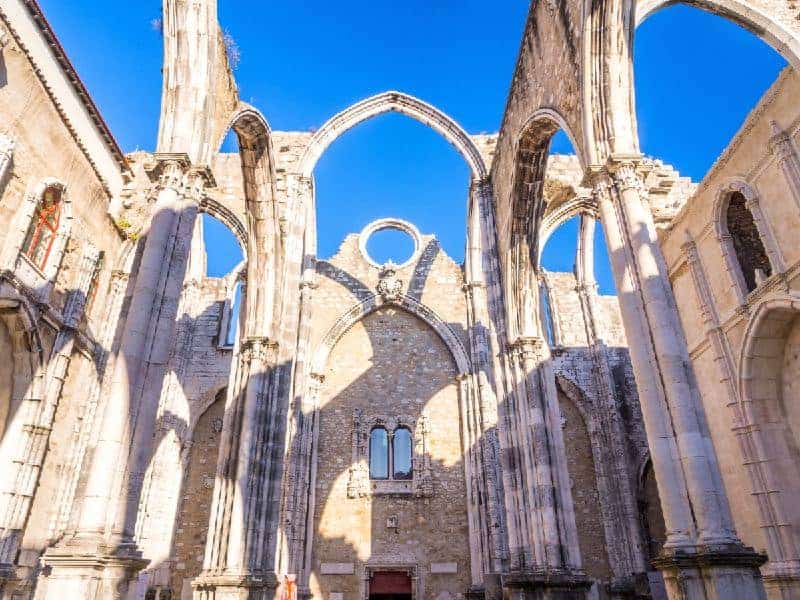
740,341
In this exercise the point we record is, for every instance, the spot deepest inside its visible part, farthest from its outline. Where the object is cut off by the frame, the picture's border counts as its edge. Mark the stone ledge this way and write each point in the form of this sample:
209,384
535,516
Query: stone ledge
564,580
213,581
733,555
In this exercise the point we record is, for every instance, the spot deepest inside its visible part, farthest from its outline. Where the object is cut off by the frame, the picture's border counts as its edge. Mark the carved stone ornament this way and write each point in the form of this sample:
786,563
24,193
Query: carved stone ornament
390,287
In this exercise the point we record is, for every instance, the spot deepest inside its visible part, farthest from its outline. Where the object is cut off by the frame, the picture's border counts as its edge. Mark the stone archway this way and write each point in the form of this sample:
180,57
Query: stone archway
24,397
775,25
770,413
264,248
393,102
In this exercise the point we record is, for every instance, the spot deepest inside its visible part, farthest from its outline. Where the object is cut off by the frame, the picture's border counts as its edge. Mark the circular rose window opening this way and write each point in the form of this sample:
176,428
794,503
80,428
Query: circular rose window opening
389,241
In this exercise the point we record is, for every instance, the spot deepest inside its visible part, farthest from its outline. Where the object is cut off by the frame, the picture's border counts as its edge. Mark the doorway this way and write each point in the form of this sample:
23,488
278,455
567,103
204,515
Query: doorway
390,585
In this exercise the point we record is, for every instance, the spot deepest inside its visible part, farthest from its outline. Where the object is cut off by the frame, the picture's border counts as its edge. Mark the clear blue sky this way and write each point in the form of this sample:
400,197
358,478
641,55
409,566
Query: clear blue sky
697,77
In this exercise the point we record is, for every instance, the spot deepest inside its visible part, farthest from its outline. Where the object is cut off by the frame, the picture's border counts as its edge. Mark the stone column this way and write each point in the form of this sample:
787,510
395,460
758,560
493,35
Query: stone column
104,541
702,556
781,146
625,550
481,260
239,557
314,395
584,259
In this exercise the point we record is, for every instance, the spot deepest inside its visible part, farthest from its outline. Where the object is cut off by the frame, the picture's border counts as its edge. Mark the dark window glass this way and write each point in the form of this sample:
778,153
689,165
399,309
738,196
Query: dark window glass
547,314
401,453
379,454
747,242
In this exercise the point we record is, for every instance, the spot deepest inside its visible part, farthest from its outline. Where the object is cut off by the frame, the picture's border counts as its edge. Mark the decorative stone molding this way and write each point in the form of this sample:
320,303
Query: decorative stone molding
726,242
390,287
627,173
780,144
175,171
359,483
398,225
373,303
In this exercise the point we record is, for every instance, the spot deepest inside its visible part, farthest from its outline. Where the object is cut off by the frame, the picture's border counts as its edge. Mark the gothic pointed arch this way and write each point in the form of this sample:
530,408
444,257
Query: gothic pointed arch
359,311
523,217
393,102
760,18
611,106
770,419
228,217
263,248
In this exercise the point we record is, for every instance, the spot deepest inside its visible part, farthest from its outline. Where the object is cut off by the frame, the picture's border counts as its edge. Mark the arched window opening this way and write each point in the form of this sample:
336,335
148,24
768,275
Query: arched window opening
379,454
750,252
547,314
401,454
222,250
232,330
43,229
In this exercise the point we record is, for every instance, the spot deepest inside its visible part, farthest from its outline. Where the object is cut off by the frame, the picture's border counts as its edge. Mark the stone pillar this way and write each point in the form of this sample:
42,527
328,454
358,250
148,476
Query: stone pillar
781,146
239,557
702,558
625,549
543,539
481,264
314,395
104,541
584,259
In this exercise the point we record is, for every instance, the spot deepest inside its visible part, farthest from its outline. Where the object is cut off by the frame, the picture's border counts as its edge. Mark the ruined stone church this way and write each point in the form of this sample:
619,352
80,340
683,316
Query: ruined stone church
344,429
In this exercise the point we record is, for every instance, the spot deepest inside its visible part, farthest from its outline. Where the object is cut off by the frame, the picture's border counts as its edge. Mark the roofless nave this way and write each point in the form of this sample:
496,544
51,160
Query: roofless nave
423,430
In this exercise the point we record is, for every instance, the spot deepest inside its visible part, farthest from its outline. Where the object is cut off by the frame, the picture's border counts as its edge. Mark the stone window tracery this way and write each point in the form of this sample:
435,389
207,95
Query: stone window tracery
43,230
389,456
379,454
749,249
402,462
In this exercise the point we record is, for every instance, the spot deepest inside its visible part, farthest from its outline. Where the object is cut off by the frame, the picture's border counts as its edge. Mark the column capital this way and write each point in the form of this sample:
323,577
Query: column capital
174,170
168,168
259,349
529,347
624,171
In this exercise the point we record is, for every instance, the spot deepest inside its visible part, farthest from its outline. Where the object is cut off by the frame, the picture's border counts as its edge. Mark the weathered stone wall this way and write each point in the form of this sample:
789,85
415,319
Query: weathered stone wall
394,364
390,363
707,290
585,495
195,500
50,133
